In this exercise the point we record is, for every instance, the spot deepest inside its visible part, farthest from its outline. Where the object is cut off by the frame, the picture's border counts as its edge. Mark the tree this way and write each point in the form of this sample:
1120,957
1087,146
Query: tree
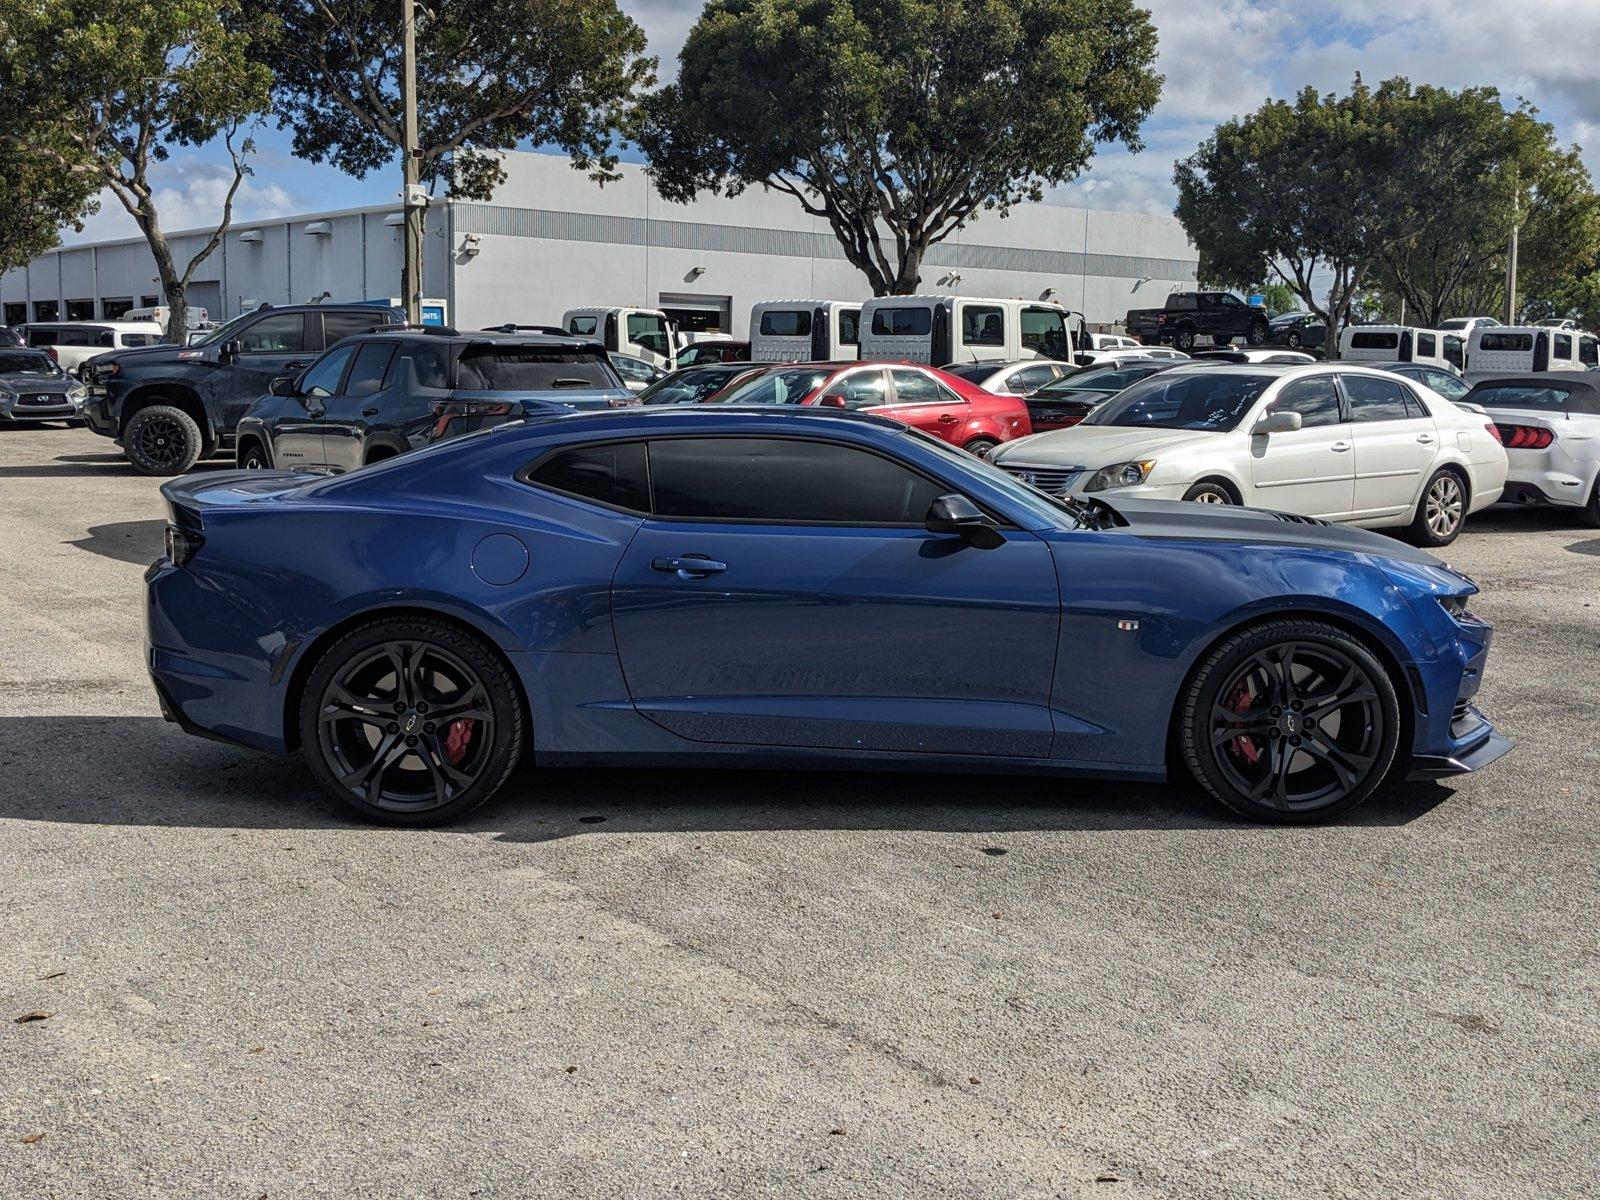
1323,188
106,89
491,75
1511,173
38,197
897,121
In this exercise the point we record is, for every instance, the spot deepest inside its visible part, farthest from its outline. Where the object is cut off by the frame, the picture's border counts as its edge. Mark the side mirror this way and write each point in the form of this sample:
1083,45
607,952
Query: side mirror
833,400
958,515
283,385
1277,422
231,350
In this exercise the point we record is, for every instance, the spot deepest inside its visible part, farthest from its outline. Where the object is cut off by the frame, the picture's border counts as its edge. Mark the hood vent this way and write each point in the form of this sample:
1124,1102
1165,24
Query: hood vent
1297,519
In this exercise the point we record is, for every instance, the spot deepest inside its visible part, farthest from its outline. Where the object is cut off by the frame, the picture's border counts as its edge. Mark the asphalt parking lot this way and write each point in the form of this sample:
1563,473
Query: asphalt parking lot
641,984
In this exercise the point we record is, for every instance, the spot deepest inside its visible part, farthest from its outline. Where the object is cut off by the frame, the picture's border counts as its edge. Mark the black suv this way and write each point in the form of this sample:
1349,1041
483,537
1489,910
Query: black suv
383,393
168,406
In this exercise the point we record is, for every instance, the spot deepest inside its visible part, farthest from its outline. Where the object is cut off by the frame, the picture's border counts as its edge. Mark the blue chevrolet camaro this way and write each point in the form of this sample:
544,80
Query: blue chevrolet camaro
753,588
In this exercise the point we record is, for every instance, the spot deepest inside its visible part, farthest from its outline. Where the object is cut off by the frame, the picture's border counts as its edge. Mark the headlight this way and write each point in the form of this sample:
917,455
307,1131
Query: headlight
1120,475
77,393
100,372
7,397
1456,606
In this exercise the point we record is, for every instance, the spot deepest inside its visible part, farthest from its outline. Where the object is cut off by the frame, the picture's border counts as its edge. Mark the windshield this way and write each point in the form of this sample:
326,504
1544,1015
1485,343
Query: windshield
1547,399
1201,400
780,387
688,386
15,362
1098,379
532,369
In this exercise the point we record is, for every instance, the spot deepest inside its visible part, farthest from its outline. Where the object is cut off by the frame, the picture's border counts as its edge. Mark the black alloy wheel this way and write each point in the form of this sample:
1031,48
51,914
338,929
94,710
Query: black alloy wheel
1257,333
411,721
1292,721
980,447
1293,339
254,458
162,440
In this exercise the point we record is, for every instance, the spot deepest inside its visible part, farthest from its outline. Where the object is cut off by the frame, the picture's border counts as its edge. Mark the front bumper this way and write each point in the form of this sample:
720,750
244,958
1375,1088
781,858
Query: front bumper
99,413
1490,748
25,409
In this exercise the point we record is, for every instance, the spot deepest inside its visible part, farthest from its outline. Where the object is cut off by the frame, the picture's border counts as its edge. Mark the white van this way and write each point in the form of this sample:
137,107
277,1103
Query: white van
805,331
1518,349
198,317
642,332
73,343
958,329
1401,343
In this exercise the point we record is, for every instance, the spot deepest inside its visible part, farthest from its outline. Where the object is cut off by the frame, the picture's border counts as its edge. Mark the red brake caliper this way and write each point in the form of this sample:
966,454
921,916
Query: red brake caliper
457,737
1244,745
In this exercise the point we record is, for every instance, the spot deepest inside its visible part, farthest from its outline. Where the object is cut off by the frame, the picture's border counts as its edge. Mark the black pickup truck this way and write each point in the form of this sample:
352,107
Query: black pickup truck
1188,316
168,406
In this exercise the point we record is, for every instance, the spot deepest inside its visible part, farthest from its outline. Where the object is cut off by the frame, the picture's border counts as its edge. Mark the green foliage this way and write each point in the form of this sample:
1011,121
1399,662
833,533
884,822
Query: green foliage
106,88
898,120
1515,175
1337,187
491,75
38,196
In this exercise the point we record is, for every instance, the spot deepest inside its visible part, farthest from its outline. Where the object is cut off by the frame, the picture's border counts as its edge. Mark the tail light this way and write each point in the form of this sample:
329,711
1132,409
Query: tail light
185,536
1494,432
1525,437
445,411
1161,318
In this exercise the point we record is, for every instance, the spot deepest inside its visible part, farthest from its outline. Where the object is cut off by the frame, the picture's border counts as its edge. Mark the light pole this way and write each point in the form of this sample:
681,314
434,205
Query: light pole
415,198
1511,278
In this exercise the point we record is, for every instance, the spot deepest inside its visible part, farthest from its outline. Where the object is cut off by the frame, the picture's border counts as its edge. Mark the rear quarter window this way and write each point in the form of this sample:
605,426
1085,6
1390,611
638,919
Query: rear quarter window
609,473
786,323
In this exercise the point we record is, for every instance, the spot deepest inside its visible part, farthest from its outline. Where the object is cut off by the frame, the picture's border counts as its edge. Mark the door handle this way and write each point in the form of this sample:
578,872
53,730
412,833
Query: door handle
1339,447
1425,438
370,412
295,366
688,566
946,419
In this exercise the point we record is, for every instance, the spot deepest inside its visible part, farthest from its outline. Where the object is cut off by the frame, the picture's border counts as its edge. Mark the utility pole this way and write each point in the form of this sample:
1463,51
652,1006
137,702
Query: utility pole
1511,279
416,200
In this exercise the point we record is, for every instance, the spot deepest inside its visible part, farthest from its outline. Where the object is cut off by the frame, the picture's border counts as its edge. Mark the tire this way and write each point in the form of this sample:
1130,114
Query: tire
1441,510
1278,767
1256,335
1211,491
980,447
1293,340
162,440
253,458
1589,514
380,682
1183,340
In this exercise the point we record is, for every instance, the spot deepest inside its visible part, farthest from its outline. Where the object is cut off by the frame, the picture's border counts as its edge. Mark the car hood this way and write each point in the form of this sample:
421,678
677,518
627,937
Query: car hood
1096,446
37,383
150,354
1225,523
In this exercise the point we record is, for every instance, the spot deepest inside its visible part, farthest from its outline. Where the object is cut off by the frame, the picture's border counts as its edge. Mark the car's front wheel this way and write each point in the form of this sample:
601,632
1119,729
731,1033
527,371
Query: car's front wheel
1290,721
411,721
162,439
253,457
1210,491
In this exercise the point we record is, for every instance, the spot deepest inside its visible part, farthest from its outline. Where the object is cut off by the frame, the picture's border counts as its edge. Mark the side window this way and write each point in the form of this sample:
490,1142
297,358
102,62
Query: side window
1446,385
1375,399
1427,345
107,337
785,480
1031,379
42,337
277,334
1563,345
650,331
1453,351
322,379
428,364
1229,300
1044,331
633,368
366,375
1415,405
611,473
336,326
982,325
582,326
863,389
1315,399
850,327
913,387
1588,351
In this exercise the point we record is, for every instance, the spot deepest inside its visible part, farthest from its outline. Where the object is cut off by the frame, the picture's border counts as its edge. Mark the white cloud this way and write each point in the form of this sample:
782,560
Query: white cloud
666,23
189,195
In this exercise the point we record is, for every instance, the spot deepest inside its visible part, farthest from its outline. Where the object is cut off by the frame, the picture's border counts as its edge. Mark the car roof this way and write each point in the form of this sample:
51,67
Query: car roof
1577,381
451,337
647,420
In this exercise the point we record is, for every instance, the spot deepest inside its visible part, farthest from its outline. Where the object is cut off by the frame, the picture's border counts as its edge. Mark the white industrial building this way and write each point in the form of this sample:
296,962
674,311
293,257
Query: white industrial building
552,240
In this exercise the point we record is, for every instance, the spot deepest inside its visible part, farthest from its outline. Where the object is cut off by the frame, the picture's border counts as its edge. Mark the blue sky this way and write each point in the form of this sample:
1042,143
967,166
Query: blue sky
1220,58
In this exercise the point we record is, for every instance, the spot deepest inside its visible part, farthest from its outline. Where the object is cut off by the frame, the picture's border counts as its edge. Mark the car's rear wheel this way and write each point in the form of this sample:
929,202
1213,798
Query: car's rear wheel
1290,721
411,721
980,446
162,439
1256,335
1210,491
1441,512
1184,340
1589,514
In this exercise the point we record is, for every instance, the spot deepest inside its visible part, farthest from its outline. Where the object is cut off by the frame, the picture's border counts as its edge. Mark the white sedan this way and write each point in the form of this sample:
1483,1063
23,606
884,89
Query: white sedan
1550,425
1341,443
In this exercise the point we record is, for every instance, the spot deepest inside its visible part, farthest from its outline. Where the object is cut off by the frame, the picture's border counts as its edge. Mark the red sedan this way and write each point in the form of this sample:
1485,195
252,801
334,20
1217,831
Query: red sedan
951,409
